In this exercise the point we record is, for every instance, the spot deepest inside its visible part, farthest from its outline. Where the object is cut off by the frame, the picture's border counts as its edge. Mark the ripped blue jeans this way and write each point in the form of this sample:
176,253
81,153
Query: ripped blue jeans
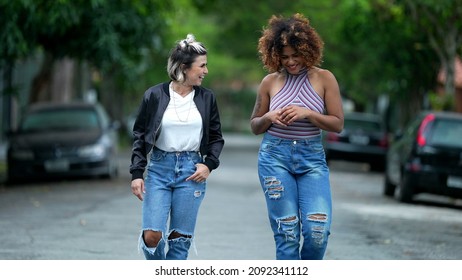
295,179
169,197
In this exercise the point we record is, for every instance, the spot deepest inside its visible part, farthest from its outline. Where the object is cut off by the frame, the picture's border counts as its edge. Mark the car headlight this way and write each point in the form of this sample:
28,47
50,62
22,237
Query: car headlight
22,154
96,150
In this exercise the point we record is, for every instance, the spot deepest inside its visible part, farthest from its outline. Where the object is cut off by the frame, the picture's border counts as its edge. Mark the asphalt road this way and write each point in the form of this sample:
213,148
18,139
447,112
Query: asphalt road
96,219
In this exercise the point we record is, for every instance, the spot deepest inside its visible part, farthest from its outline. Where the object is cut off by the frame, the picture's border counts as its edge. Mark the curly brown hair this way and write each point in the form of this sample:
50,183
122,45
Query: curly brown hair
294,31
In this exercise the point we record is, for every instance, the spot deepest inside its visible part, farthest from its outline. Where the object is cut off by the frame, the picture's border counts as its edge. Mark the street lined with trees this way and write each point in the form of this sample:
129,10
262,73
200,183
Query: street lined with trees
377,48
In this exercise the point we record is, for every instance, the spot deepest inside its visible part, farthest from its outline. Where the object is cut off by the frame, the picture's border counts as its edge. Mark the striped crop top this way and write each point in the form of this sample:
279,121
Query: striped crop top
298,91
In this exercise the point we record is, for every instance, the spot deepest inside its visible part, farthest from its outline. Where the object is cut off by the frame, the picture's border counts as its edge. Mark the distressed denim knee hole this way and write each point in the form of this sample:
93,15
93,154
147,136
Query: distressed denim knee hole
151,238
175,235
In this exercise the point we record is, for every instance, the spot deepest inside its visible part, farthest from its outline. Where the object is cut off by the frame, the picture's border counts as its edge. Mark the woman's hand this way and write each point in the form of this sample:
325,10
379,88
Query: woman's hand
292,113
201,174
275,117
138,188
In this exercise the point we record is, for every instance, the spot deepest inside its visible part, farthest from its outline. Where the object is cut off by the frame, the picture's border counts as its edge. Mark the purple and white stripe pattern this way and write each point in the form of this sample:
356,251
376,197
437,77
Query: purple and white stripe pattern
297,91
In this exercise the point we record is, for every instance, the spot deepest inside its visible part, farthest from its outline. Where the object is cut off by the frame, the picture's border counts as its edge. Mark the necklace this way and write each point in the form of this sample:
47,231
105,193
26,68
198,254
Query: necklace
172,96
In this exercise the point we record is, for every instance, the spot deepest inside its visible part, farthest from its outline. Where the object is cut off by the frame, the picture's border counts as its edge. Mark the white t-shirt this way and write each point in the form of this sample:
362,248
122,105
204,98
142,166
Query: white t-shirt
181,127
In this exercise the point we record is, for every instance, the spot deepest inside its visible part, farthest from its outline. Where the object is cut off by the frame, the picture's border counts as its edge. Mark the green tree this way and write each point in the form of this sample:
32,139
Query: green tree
235,29
14,45
384,53
441,20
109,35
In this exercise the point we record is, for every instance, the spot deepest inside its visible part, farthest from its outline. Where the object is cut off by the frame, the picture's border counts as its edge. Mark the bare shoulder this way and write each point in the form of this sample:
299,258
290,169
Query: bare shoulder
322,80
271,78
321,74
272,83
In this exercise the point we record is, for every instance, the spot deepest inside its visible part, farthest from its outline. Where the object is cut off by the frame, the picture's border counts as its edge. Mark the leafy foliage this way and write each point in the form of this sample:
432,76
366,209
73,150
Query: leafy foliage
374,47
383,53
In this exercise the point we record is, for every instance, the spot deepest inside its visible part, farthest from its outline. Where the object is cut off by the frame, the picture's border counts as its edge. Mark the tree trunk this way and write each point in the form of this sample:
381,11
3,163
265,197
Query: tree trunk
40,89
109,96
7,91
458,100
62,86
450,50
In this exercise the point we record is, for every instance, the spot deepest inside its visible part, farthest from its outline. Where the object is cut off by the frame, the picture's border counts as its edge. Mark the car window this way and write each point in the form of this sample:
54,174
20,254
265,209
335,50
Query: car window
362,124
447,133
104,117
61,120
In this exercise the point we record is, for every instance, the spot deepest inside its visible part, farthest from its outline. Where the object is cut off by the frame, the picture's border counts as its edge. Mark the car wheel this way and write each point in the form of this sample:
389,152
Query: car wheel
388,187
12,179
406,189
112,172
377,166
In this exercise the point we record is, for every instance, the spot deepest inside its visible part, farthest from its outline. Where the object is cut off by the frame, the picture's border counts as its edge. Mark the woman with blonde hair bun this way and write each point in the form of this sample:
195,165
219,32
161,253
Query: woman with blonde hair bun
178,126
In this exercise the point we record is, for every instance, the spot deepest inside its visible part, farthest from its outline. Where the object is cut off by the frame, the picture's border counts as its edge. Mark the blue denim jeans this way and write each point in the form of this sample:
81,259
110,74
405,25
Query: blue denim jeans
169,197
295,179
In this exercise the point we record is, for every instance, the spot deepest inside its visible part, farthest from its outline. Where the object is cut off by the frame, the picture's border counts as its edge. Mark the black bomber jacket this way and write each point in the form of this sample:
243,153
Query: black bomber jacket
148,121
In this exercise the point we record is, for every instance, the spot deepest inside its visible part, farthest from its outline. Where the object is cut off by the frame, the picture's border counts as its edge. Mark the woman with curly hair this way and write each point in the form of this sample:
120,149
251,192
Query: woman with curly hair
294,103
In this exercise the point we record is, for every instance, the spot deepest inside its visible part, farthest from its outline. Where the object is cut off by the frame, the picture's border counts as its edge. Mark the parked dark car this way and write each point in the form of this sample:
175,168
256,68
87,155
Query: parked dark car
63,140
426,158
364,139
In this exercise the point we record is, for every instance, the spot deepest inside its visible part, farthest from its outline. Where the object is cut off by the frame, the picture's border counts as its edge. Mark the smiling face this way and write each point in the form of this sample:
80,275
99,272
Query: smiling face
196,73
291,60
